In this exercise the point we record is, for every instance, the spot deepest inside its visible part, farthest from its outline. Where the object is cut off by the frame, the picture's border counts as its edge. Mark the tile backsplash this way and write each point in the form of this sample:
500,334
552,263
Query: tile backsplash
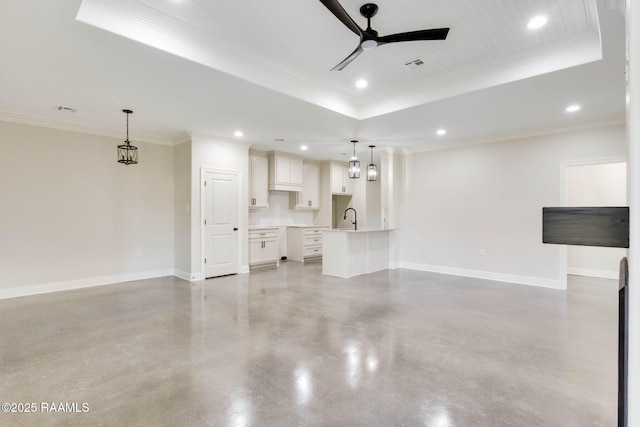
279,213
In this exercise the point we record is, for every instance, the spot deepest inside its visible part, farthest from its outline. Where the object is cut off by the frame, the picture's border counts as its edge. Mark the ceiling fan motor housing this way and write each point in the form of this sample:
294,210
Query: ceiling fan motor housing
369,10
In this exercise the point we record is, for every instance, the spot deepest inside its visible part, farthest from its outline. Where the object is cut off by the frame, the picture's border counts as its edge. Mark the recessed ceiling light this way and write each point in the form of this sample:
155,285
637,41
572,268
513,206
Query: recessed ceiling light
238,134
361,84
304,147
537,22
573,108
441,132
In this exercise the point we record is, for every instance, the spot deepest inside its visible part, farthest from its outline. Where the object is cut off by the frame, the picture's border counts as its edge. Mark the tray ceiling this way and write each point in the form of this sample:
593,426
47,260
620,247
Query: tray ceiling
290,45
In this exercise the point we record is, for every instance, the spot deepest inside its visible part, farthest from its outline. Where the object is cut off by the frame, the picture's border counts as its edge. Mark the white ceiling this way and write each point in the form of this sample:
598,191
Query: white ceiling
213,67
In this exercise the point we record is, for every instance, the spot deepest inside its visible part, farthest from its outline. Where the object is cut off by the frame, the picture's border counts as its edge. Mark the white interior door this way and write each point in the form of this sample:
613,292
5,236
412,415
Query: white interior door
221,224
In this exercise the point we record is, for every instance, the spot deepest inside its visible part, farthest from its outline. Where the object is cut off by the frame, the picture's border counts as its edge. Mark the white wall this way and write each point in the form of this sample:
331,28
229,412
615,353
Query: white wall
490,196
182,209
214,153
596,185
392,177
633,180
72,216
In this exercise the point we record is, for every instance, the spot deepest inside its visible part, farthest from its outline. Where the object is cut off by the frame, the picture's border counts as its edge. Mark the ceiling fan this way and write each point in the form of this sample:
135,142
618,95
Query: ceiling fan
369,38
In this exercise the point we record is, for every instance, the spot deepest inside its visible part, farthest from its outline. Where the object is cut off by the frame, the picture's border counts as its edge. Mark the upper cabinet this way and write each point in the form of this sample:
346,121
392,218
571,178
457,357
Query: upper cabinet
340,181
258,171
285,172
309,197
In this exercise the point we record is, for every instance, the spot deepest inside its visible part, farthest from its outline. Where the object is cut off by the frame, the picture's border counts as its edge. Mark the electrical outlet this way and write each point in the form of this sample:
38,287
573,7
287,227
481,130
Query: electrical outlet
482,252
139,252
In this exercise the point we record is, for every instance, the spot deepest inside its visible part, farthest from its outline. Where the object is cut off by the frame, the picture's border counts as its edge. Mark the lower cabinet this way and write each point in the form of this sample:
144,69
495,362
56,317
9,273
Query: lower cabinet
304,243
263,246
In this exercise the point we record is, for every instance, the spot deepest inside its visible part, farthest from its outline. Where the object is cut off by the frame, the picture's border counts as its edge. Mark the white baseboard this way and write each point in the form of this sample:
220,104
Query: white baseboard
182,275
488,275
603,274
81,283
394,265
196,277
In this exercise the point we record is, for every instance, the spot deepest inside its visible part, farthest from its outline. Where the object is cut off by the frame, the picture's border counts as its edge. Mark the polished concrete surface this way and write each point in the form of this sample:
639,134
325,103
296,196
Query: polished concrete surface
289,347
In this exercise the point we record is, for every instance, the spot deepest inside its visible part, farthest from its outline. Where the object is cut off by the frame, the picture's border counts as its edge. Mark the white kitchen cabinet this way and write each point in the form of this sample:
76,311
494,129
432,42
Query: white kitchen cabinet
263,246
304,243
285,172
309,197
340,181
258,192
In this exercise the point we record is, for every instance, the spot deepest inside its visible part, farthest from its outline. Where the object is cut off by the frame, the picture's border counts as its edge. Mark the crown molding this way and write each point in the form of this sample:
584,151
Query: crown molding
181,138
522,135
25,119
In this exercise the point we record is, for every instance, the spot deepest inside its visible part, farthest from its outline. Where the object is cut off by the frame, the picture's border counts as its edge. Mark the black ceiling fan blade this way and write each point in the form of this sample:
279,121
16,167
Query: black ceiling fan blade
342,15
432,34
348,59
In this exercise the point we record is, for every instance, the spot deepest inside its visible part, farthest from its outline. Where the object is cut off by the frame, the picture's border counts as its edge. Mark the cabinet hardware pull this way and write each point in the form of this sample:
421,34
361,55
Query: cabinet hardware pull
263,234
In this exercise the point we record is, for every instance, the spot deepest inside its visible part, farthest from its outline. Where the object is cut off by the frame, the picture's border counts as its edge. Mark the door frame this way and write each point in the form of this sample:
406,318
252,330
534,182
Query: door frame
564,170
238,175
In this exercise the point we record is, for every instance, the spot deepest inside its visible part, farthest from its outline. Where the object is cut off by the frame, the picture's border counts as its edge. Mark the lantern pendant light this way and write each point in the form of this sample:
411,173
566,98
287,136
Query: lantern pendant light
354,164
372,169
127,153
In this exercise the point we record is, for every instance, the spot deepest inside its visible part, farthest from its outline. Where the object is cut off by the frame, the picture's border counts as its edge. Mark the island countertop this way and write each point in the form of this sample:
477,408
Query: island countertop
364,230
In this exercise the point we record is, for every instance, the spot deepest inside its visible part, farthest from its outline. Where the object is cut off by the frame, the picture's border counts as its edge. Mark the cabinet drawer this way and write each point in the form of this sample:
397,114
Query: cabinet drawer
313,241
316,231
262,234
312,251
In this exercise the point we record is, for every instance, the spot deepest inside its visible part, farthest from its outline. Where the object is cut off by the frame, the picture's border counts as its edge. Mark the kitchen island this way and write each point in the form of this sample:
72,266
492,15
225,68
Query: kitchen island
348,253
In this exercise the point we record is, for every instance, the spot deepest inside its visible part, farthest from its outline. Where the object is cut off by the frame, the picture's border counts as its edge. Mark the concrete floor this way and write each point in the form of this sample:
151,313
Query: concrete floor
289,346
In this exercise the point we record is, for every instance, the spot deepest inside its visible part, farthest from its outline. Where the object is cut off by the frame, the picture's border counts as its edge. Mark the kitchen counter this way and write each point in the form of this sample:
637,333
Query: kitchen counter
364,230
348,252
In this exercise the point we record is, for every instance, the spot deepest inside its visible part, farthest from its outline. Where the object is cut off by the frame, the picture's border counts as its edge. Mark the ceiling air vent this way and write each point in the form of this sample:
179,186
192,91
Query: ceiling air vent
414,63
67,109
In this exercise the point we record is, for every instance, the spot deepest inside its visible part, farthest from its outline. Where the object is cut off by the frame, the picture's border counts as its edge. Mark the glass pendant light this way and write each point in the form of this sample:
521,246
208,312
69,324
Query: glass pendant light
127,153
354,164
372,169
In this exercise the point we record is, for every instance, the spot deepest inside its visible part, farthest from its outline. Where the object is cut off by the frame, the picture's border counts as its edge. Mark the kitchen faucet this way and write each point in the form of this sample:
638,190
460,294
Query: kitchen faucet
355,217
